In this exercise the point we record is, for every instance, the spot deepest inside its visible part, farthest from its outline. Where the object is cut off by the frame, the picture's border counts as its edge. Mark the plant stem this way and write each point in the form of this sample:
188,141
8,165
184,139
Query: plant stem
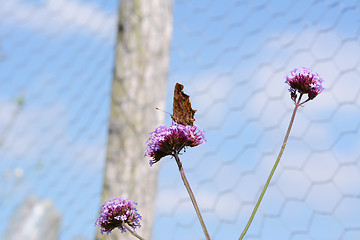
132,231
297,105
192,197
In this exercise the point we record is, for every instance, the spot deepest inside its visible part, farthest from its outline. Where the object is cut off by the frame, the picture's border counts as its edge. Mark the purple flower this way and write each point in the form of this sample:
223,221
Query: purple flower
304,81
165,140
117,212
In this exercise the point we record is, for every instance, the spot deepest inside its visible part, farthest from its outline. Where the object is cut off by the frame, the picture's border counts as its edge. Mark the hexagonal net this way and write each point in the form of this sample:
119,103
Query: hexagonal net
232,57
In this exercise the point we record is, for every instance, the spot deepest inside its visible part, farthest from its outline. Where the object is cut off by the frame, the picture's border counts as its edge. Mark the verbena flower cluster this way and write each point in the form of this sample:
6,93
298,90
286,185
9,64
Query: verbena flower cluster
165,140
117,212
305,81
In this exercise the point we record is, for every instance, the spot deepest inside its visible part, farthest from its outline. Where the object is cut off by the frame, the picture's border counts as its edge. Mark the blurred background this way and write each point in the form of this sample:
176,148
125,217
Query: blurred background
56,70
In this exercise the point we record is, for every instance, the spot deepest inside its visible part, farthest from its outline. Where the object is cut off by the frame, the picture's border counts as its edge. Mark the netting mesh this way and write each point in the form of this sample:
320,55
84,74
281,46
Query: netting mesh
232,56
55,83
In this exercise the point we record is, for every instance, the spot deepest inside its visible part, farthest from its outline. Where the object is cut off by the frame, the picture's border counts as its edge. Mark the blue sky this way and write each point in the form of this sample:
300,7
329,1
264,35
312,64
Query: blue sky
232,58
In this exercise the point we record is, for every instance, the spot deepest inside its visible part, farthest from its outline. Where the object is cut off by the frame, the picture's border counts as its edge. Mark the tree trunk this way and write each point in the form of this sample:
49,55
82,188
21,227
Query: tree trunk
139,86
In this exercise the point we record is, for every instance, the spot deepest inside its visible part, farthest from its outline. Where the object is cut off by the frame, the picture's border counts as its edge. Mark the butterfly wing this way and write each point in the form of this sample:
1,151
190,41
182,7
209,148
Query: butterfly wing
182,110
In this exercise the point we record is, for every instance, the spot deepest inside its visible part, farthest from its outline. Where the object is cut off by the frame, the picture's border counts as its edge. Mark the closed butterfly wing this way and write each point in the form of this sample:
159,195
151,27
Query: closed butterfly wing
182,110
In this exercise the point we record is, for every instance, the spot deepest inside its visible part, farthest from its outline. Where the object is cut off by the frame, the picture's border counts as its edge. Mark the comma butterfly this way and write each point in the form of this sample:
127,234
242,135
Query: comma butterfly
182,111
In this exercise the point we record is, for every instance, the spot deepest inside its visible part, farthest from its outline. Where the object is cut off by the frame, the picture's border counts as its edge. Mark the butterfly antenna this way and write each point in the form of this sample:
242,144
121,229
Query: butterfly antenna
163,111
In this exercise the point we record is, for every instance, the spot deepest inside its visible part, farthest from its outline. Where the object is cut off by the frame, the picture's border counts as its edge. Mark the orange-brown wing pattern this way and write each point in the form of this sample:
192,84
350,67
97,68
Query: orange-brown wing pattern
182,111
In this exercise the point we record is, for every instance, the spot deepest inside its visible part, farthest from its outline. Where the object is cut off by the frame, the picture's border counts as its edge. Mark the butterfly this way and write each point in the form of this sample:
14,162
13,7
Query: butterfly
182,111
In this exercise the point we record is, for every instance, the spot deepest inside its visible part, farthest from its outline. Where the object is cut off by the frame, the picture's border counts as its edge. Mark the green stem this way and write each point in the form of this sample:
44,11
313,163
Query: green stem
132,231
272,171
192,197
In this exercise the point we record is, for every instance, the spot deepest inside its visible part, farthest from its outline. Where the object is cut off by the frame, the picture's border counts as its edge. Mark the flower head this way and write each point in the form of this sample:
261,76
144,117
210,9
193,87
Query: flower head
165,140
304,81
117,212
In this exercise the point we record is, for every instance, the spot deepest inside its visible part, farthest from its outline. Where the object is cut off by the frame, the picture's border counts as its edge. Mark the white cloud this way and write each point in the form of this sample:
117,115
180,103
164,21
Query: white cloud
59,16
7,110
35,130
